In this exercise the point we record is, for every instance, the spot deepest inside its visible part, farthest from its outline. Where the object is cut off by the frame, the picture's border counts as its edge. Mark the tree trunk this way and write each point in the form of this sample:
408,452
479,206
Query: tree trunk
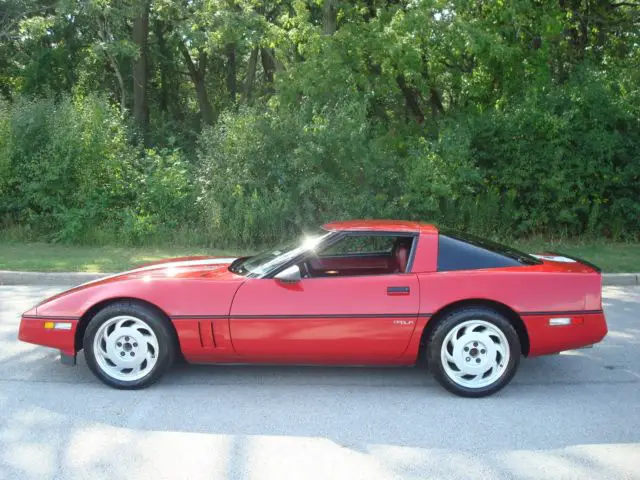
576,31
411,98
269,68
105,36
232,87
165,92
123,92
371,10
270,63
197,75
140,38
436,102
330,17
251,75
203,101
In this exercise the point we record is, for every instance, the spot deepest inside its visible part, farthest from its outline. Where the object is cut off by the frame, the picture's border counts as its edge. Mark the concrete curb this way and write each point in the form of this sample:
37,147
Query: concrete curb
621,278
8,277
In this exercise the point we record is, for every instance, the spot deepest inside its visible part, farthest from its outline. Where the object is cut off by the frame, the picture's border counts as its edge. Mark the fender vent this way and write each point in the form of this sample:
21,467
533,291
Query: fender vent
206,333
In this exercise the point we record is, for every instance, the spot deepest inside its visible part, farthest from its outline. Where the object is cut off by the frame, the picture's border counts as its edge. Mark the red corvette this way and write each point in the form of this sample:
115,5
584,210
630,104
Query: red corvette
356,293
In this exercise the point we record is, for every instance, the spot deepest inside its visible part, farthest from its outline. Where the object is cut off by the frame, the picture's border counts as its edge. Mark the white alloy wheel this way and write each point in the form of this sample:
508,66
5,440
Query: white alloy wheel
125,348
475,354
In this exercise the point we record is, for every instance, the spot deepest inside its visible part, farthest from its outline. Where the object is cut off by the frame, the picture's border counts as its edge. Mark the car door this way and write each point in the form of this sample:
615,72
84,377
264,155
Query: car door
365,319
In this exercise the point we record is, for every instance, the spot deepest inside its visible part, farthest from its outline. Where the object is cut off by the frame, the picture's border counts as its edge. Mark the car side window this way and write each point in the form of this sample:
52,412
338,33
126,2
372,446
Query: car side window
359,255
360,244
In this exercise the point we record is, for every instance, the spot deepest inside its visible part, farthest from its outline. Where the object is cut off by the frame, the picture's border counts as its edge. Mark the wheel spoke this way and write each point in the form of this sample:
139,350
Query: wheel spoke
457,333
120,323
461,374
449,356
486,368
151,341
451,359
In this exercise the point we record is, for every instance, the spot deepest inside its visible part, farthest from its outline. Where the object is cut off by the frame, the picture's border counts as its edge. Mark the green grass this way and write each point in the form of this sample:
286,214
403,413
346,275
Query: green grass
610,257
43,257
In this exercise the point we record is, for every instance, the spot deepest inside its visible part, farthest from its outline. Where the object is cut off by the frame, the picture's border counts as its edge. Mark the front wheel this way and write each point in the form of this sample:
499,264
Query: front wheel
474,352
128,345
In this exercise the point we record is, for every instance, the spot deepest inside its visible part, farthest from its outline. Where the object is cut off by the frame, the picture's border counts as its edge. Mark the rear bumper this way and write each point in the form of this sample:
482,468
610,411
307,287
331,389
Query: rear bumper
584,329
33,329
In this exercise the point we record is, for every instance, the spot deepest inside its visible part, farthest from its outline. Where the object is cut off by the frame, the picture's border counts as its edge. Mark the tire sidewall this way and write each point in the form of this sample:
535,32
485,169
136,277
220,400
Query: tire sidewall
166,343
456,318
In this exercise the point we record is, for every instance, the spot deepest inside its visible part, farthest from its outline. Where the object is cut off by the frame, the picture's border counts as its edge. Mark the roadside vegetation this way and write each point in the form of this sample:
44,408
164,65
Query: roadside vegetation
45,257
236,124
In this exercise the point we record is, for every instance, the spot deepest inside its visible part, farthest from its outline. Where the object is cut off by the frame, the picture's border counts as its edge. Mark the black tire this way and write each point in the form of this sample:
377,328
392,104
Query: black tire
455,318
167,343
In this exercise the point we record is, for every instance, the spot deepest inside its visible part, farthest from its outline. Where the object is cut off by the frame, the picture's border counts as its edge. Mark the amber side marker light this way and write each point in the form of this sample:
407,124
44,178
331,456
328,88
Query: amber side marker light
57,325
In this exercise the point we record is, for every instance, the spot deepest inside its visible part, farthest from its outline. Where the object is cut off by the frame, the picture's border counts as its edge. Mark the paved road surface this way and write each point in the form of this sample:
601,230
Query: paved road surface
575,415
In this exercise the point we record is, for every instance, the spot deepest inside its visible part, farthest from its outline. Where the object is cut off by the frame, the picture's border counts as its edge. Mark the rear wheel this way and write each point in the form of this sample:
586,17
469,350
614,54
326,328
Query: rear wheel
128,345
474,352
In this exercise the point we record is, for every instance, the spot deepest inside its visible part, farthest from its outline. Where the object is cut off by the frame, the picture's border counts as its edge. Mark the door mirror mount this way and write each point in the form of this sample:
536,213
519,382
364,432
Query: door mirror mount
289,275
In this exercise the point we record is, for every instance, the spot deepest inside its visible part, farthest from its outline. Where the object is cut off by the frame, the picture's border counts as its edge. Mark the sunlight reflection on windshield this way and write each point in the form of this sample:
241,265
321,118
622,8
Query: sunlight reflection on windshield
309,243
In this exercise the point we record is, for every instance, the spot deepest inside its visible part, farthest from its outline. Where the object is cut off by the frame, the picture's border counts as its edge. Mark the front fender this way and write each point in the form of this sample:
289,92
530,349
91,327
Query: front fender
174,296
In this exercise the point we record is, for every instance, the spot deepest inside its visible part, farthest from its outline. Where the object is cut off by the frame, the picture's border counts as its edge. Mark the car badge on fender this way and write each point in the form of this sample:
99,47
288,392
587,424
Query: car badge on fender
403,322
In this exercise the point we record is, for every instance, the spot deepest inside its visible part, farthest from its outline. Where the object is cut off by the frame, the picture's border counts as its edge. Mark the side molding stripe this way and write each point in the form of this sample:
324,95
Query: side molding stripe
339,315
573,312
287,317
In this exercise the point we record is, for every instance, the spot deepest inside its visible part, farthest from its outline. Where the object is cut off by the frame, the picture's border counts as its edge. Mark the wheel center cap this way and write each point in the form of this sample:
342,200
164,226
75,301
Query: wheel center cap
127,347
474,352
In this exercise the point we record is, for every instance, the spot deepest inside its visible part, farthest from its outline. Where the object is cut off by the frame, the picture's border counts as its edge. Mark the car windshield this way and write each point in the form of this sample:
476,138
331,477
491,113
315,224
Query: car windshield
266,262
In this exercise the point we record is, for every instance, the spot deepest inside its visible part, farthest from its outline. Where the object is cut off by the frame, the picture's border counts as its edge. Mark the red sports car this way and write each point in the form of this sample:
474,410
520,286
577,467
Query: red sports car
354,293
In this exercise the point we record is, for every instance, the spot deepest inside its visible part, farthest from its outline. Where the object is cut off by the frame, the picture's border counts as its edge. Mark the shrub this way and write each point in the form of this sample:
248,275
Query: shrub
267,174
69,173
62,160
568,159
163,198
560,162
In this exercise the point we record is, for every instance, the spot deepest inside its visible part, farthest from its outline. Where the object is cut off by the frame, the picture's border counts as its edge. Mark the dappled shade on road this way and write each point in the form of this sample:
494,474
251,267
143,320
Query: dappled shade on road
564,416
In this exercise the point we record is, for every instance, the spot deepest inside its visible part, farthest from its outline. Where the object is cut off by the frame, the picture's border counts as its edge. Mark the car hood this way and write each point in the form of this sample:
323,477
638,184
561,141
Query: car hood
182,267
140,281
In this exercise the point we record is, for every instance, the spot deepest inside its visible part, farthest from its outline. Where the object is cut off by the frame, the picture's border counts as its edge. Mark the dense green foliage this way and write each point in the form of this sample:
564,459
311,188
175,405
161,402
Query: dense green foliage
68,167
239,122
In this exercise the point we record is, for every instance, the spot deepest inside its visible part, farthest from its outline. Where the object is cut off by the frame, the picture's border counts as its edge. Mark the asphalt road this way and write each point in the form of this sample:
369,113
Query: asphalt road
574,415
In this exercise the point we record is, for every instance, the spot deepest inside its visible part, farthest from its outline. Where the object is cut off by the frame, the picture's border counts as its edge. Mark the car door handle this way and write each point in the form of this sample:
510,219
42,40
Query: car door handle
398,290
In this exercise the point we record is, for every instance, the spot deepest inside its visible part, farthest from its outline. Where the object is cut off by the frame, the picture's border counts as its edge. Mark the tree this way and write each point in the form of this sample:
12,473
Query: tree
140,35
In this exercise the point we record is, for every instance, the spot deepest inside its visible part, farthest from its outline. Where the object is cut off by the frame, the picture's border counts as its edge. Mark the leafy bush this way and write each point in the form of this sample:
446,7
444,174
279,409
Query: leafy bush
567,159
268,174
68,171
562,162
62,162
164,200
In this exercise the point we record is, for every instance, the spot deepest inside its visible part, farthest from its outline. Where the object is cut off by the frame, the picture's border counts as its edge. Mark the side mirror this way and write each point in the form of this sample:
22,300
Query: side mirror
290,275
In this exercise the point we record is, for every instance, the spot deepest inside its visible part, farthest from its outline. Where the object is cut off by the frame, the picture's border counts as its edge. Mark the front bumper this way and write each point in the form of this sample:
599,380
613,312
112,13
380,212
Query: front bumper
584,330
45,331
